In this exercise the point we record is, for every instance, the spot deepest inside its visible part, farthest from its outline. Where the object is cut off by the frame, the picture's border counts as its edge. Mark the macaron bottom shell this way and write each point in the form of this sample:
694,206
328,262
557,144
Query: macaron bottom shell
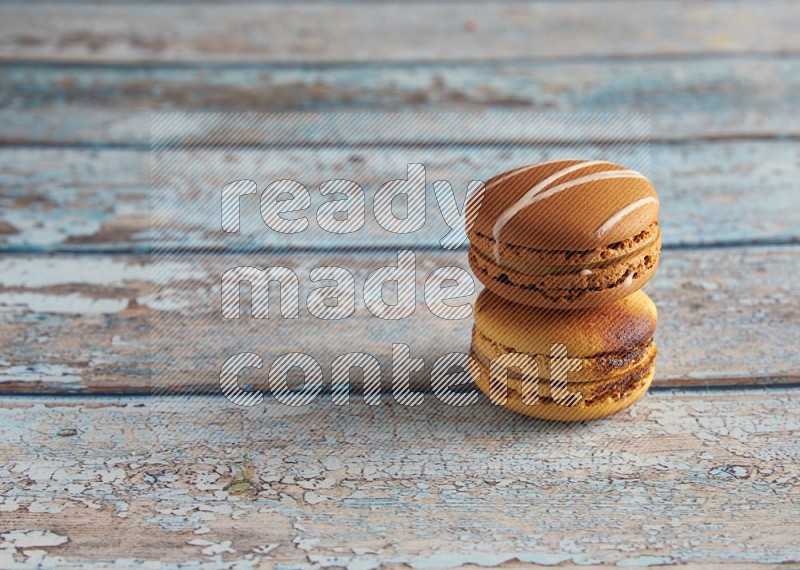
615,396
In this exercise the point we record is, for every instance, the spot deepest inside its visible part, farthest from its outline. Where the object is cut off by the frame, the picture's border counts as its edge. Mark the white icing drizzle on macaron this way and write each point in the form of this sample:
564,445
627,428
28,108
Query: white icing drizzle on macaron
617,217
527,198
541,192
520,170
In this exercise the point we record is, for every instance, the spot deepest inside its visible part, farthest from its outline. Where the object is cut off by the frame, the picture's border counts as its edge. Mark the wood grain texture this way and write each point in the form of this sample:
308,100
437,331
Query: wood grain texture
687,98
82,324
99,200
679,479
325,32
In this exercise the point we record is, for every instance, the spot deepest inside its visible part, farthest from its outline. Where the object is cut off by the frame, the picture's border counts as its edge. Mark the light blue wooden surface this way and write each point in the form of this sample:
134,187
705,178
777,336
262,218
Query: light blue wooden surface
701,473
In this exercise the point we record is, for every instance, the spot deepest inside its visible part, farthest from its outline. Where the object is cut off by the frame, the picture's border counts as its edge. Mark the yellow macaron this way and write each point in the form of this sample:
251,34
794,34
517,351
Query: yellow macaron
564,365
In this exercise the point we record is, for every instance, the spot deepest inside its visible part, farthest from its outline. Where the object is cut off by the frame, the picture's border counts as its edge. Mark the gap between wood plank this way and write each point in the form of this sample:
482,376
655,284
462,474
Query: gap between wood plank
687,386
321,65
98,145
109,250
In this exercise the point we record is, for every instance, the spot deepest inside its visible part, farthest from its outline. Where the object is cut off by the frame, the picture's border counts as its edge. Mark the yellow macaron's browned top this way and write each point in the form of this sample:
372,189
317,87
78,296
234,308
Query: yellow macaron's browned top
616,328
584,205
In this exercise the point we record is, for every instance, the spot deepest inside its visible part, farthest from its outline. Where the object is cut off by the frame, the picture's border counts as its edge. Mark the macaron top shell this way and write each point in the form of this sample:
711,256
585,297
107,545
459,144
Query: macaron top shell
570,205
616,327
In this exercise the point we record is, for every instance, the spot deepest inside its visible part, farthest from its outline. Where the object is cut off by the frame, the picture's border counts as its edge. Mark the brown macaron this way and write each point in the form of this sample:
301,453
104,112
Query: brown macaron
583,364
565,234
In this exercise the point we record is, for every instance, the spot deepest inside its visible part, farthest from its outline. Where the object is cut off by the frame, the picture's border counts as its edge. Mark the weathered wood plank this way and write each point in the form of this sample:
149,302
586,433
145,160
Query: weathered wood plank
82,200
728,316
695,98
325,32
696,480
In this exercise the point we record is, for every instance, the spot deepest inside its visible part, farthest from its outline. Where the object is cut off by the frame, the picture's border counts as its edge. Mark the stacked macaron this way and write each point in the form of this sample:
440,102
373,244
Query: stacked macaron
561,330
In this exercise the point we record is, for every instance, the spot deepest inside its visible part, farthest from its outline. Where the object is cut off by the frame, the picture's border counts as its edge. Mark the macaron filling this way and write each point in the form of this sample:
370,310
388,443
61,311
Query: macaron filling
608,366
514,255
606,396
529,268
592,392
628,272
